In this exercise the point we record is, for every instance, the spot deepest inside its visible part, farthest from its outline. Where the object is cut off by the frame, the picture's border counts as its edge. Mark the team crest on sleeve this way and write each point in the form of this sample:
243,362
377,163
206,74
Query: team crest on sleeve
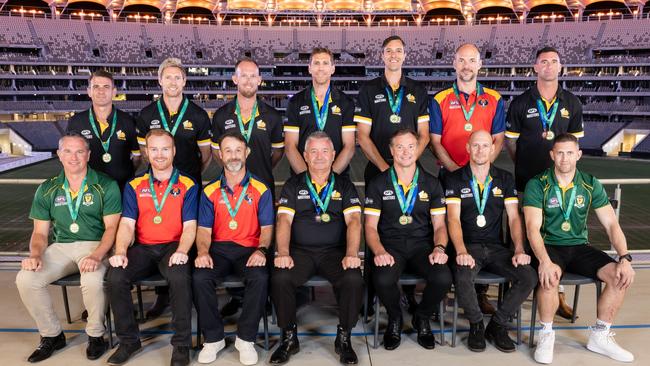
283,201
369,201
355,200
88,199
449,192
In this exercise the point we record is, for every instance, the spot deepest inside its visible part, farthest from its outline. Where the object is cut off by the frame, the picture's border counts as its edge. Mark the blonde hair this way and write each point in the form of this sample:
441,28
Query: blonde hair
171,62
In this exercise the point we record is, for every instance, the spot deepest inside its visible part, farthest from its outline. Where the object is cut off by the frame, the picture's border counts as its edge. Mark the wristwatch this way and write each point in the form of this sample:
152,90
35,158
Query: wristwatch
264,250
627,257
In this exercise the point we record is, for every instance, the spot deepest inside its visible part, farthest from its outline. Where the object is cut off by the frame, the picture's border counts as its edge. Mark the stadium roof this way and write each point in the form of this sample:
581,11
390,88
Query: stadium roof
366,6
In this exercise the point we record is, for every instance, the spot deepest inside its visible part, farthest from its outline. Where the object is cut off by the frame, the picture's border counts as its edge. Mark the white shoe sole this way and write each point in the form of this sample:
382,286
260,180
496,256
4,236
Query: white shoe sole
598,350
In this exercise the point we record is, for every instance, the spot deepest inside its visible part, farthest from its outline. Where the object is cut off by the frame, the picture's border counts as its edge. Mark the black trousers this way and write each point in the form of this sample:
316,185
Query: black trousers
411,256
230,258
348,285
495,258
145,261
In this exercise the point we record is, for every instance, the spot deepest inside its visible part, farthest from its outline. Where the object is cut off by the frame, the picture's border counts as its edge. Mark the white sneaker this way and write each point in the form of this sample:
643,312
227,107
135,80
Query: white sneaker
209,352
603,342
247,352
544,349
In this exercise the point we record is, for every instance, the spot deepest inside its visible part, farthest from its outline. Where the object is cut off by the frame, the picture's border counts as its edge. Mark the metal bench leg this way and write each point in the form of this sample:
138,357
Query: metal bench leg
441,315
576,294
519,326
109,326
266,331
454,321
198,331
140,305
533,316
66,305
376,340
365,304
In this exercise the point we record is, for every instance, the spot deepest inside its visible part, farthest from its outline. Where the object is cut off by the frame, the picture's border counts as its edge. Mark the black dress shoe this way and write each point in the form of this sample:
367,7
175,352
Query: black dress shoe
423,328
289,345
476,339
180,356
231,307
47,346
498,335
123,353
393,334
96,347
158,307
343,347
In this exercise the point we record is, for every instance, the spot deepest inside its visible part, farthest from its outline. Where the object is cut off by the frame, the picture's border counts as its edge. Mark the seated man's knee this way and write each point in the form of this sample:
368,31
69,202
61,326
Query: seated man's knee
439,275
26,280
352,279
384,277
281,277
257,274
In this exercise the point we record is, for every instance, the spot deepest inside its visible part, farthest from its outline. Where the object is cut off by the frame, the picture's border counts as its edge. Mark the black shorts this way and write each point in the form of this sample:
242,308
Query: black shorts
582,259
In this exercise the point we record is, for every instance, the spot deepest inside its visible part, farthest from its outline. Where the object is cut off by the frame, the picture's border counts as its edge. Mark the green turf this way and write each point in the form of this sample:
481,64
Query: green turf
16,199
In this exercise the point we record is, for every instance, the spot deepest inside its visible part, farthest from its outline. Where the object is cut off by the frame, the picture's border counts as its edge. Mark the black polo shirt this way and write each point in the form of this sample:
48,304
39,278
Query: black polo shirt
301,118
381,200
306,231
123,143
266,135
523,123
458,191
373,109
193,132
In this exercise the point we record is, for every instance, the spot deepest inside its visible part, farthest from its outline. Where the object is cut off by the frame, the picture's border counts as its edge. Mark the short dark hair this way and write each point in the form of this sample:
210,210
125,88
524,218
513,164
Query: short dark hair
246,59
390,39
234,134
317,50
402,132
76,135
158,132
565,137
101,73
546,49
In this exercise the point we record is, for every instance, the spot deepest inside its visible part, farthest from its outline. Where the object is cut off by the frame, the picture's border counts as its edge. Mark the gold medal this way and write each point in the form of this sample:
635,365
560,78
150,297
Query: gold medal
107,158
325,217
566,226
394,118
410,219
480,220
550,135
74,228
232,225
157,219
468,127
403,220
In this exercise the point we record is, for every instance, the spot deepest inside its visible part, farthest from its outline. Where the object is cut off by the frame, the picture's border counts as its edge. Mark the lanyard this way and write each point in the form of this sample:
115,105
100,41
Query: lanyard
246,132
395,102
547,117
407,203
105,144
322,201
74,212
321,114
179,117
566,212
154,195
231,211
481,199
468,114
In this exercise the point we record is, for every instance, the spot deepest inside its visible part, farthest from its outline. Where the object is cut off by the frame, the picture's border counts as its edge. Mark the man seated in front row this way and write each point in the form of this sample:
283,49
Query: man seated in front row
318,232
160,209
476,197
556,205
84,207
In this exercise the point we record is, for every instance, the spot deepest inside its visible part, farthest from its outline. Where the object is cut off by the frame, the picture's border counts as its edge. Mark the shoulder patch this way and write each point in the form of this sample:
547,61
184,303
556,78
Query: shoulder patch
440,96
210,188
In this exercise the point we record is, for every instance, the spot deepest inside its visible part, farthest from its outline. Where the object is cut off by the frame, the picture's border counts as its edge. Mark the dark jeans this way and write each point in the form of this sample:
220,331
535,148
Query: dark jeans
411,256
230,258
348,285
145,261
497,259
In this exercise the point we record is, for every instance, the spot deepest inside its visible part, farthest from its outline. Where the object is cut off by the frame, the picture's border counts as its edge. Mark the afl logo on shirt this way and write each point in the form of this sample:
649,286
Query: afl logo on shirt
553,203
155,122
87,134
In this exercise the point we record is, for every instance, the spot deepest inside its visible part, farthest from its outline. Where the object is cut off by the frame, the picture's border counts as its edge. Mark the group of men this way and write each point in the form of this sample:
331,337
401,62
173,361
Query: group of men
109,220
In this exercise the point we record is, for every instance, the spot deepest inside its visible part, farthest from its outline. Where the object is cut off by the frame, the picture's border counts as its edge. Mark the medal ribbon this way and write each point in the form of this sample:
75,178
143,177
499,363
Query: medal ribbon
246,132
321,114
407,203
481,199
179,117
105,144
395,102
468,114
233,213
154,195
322,201
74,212
566,212
547,118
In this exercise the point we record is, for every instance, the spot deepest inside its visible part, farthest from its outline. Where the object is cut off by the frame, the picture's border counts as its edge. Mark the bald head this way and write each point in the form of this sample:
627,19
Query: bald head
468,48
480,147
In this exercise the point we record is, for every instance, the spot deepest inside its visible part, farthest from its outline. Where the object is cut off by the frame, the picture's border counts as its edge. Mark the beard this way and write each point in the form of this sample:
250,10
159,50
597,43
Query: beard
246,93
234,165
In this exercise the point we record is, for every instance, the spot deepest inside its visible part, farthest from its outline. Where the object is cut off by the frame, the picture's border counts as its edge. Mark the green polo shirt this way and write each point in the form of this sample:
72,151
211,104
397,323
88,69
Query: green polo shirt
540,193
101,197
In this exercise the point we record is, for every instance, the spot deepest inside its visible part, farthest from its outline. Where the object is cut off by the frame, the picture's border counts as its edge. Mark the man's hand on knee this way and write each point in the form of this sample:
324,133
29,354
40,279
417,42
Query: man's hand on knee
89,264
624,275
549,275
118,261
32,264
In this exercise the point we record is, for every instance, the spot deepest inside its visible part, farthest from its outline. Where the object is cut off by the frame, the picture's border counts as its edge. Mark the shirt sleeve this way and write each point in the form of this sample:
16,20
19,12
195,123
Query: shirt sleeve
130,203
112,199
599,197
40,206
362,112
347,120
437,203
513,121
534,194
435,117
576,127
131,136
189,211
293,118
452,191
499,120
72,125
509,189
204,133
351,202
287,201
277,135
265,214
216,129
206,211
373,201
423,106
141,129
